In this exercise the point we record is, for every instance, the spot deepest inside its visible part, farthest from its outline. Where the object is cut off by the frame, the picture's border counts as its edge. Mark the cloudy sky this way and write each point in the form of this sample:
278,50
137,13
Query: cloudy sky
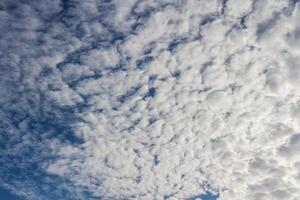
149,99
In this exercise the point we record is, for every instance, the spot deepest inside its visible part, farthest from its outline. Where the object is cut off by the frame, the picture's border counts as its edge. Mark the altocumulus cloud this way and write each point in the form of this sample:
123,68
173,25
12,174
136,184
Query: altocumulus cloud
150,99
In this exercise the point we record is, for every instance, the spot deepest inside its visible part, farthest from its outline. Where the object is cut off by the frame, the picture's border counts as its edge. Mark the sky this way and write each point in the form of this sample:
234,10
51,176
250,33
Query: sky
6,195
149,99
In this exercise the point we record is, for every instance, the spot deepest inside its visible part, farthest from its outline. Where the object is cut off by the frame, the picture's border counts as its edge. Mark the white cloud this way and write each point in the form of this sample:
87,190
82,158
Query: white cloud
167,97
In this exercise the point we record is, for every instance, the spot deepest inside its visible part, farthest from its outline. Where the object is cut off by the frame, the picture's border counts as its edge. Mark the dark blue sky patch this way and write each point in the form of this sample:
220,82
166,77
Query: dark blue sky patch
207,196
177,74
174,44
24,171
143,62
54,122
30,123
54,129
151,93
208,19
6,195
156,160
128,94
152,120
224,6
242,21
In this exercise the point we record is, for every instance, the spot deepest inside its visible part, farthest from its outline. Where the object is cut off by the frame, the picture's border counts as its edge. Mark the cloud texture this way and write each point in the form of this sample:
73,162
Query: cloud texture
105,99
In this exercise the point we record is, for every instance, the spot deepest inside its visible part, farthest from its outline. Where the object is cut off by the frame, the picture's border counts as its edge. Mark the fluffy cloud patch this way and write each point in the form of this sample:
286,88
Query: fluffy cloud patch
150,99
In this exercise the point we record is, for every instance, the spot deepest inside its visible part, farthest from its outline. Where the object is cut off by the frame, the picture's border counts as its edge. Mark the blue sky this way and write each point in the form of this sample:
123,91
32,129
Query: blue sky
6,195
207,196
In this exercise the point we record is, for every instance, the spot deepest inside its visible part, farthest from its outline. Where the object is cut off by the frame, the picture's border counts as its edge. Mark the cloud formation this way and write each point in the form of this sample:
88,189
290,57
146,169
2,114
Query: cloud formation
150,99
